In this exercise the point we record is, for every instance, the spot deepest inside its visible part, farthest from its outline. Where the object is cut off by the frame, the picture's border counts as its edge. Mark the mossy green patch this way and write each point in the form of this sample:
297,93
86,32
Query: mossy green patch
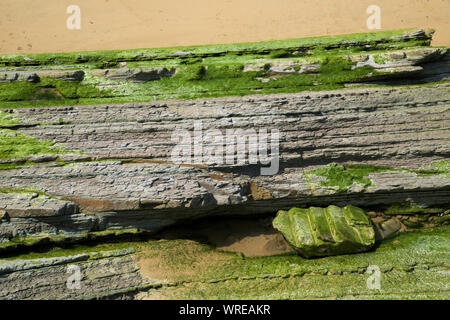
34,247
344,176
202,71
372,40
408,208
15,145
413,264
49,90
7,119
15,165
444,220
443,166
27,190
202,272
68,251
316,232
380,59
419,285
282,53
402,251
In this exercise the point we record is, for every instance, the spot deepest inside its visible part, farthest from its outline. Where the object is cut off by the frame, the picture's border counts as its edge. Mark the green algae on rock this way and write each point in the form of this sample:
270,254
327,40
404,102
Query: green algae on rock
289,66
316,232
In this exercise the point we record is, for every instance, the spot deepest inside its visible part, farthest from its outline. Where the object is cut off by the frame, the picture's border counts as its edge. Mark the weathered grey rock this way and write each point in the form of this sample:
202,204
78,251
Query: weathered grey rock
396,127
66,75
418,34
317,128
391,65
22,265
103,275
35,75
134,74
152,196
316,232
18,76
391,227
22,205
68,226
284,67
290,67
181,53
416,63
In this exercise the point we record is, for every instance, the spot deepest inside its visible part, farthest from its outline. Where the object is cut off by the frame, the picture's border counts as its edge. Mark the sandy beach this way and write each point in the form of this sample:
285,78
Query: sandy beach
31,27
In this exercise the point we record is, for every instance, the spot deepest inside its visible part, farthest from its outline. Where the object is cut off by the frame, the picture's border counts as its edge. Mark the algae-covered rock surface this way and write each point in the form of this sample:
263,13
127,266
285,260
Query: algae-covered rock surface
327,231
288,66
414,265
154,150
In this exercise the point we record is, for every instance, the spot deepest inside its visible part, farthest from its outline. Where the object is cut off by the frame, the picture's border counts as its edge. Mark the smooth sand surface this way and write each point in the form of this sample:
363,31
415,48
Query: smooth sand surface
31,26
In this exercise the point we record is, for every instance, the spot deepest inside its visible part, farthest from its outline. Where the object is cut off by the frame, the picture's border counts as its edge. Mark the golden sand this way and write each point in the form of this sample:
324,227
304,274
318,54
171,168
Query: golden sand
30,26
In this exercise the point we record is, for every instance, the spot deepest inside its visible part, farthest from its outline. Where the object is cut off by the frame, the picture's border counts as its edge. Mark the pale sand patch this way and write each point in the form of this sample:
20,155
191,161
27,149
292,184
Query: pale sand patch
177,260
31,26
172,259
251,237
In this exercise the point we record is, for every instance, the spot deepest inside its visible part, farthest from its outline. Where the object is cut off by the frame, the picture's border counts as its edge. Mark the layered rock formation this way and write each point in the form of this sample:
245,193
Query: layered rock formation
361,123
104,274
404,129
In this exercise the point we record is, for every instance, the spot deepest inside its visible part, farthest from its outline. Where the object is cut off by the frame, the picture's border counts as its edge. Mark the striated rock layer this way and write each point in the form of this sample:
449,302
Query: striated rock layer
402,128
100,275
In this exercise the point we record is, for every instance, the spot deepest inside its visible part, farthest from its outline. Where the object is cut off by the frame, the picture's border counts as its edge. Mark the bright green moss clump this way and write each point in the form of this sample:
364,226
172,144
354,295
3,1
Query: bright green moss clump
49,89
204,71
112,57
16,145
6,119
316,232
443,166
344,176
407,208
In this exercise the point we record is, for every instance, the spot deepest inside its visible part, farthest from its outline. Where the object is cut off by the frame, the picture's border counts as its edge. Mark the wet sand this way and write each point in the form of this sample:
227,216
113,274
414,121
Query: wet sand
249,236
30,26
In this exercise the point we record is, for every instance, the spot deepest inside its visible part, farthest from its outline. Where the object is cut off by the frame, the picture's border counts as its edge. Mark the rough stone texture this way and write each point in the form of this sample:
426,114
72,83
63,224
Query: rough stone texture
429,64
23,205
134,74
401,58
152,196
103,274
35,75
18,76
398,127
55,200
283,67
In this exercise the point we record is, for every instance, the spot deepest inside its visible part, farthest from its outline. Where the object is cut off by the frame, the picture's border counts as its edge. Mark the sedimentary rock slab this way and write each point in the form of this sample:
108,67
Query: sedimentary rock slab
391,126
102,274
403,128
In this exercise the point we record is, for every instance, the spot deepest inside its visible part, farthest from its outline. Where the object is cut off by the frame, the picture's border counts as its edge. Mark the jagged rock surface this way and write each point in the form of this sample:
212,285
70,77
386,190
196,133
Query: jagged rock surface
389,125
103,275
401,127
134,74
31,75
